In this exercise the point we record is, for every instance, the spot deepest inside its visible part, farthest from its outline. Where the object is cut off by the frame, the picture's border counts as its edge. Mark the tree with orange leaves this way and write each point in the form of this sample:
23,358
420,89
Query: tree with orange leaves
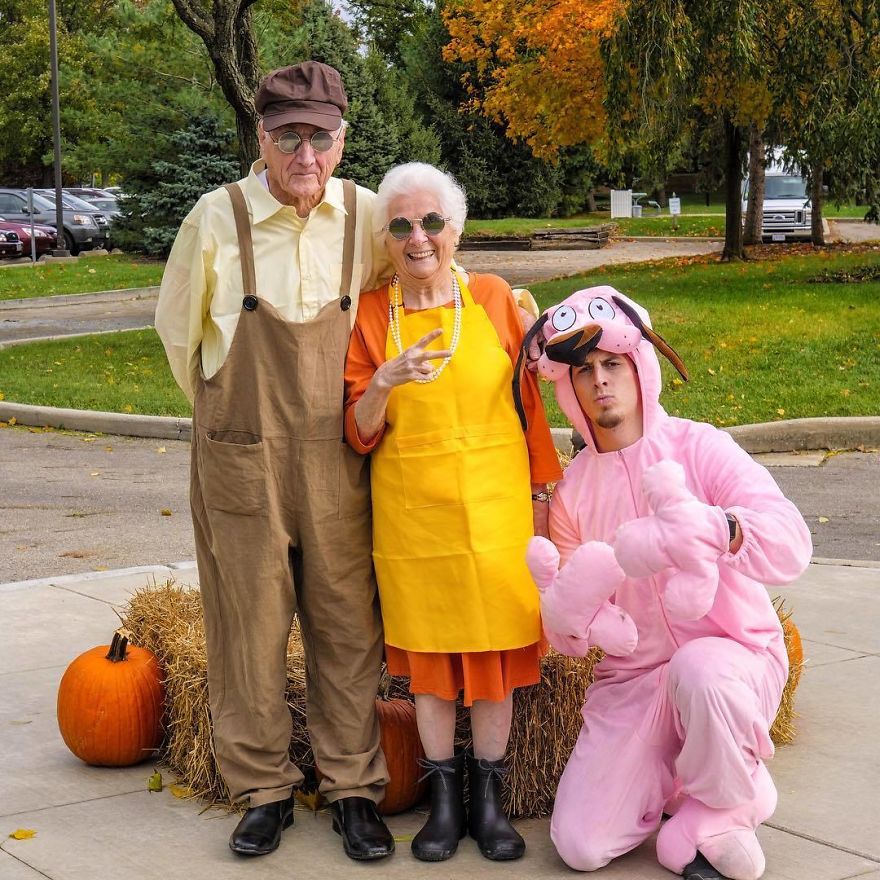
538,66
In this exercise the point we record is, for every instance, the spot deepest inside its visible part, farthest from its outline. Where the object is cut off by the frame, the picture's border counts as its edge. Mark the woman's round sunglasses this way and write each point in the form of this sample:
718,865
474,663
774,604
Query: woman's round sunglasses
402,228
291,141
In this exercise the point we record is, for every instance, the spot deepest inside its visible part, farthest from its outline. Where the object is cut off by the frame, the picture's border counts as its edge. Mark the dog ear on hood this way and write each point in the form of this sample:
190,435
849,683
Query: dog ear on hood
534,330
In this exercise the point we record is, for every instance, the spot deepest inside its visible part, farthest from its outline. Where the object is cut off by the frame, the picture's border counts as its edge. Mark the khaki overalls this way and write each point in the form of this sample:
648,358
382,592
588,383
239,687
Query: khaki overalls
281,510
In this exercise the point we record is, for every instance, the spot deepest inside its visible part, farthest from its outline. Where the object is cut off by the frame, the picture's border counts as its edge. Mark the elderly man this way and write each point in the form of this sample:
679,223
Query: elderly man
255,312
678,717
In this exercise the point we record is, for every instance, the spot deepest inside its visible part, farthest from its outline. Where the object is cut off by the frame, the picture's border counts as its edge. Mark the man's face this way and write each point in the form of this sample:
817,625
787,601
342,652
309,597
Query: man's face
607,388
299,176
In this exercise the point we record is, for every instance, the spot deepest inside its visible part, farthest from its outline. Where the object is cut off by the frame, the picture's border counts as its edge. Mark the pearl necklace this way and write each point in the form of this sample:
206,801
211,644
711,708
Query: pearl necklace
395,301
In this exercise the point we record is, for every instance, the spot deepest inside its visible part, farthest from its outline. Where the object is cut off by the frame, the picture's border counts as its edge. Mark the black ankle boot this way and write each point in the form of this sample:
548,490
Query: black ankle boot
488,825
438,839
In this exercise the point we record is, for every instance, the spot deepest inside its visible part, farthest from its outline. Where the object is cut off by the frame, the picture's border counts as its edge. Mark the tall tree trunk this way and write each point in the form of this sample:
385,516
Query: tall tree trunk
733,234
227,32
817,176
755,208
591,200
661,195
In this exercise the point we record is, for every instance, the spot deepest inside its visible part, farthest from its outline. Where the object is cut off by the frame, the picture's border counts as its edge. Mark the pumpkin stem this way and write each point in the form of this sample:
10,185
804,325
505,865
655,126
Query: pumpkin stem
117,648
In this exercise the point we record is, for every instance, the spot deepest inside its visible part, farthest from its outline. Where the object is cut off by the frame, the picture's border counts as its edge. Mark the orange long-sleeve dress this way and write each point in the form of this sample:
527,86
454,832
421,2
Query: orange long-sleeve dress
483,675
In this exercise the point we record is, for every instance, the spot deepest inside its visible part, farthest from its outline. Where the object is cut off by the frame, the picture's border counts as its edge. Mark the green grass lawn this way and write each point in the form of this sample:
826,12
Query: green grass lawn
86,275
521,227
761,343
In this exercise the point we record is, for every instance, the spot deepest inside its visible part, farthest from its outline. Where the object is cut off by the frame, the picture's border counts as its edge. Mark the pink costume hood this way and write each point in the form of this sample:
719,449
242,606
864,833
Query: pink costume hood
600,317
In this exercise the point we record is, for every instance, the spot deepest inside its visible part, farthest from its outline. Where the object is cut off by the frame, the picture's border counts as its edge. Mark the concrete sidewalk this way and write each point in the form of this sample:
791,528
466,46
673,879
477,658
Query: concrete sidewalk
102,823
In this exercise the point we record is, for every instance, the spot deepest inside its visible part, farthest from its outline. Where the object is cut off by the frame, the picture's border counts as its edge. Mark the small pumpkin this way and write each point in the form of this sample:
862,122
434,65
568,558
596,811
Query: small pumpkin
793,643
110,704
402,747
399,739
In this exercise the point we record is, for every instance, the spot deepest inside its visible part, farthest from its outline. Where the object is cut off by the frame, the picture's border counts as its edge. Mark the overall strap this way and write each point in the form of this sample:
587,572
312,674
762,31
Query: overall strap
245,242
349,199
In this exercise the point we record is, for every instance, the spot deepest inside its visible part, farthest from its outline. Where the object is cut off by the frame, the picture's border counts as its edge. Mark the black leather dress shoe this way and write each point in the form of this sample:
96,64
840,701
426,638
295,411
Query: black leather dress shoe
700,869
364,835
259,831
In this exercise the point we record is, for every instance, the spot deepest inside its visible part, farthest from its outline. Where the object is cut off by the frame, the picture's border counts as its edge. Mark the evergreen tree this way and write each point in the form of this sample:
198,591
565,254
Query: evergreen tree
200,157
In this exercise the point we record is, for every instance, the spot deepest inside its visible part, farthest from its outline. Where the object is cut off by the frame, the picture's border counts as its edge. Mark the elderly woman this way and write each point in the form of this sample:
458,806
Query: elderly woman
428,394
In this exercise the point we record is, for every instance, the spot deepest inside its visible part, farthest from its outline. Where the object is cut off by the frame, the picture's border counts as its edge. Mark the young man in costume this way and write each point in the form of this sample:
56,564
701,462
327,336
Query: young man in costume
666,532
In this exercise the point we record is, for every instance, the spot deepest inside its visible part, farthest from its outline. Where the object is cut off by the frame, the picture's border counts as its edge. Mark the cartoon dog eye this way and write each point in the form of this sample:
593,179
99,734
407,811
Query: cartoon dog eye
601,310
564,318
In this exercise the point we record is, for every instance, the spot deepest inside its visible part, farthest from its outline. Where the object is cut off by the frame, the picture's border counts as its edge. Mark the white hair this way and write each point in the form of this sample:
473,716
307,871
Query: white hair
414,177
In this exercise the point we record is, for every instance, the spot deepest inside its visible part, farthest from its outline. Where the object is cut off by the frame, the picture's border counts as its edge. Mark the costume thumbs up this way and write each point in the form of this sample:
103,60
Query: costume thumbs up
683,534
574,600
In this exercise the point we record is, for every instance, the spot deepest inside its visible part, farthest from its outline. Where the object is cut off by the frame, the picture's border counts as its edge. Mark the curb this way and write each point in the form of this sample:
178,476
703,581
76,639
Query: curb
163,571
71,299
187,567
789,435
96,422
59,338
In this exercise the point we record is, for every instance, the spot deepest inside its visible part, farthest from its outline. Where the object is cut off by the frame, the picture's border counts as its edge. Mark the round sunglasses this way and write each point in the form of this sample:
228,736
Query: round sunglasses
291,141
432,224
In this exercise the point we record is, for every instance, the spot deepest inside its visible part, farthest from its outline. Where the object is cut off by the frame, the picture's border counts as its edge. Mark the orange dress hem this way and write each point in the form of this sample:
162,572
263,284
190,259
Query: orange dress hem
481,675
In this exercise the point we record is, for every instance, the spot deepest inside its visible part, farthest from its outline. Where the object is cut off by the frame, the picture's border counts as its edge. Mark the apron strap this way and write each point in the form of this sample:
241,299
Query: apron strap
245,242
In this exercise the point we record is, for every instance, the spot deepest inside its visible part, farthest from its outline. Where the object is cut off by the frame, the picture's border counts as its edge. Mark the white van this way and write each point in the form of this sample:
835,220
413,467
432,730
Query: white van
787,213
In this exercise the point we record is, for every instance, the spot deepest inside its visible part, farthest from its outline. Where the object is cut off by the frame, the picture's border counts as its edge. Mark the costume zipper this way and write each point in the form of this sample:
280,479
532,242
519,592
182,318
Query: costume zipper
654,585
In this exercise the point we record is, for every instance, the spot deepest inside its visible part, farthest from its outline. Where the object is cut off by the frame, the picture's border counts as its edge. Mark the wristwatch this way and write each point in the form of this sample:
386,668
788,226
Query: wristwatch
731,523
543,497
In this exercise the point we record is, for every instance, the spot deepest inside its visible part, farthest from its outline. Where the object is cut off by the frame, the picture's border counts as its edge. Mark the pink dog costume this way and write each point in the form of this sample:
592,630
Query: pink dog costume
678,717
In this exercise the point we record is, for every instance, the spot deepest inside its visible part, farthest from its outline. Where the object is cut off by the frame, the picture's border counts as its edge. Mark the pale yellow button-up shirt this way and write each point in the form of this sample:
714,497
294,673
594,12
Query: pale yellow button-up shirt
298,269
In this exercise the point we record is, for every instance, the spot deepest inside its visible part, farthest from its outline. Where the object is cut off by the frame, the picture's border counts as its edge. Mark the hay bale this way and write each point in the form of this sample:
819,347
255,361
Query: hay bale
167,619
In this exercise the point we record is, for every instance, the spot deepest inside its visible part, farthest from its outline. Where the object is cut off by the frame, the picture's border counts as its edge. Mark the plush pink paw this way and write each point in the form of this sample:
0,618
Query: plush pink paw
574,600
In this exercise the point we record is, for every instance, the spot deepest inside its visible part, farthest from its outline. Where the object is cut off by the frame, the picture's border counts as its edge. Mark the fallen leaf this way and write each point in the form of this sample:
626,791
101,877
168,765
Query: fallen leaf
165,511
92,271
403,838
180,791
100,568
311,800
23,834
95,474
710,371
154,783
823,519
781,411
161,449
108,449
12,421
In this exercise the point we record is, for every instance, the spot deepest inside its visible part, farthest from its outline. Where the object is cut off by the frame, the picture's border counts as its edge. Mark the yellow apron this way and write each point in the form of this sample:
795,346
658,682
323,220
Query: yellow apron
452,513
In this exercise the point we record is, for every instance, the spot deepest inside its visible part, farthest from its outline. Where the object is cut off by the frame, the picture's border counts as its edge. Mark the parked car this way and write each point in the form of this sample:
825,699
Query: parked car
10,243
99,199
72,203
787,211
45,236
82,231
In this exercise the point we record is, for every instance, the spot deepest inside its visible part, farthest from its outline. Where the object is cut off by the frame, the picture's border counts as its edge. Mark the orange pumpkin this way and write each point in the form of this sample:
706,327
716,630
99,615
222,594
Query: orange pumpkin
793,641
110,704
402,747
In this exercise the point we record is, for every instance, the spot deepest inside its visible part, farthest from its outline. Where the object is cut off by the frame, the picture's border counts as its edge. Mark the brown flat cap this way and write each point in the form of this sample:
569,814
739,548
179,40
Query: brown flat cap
310,92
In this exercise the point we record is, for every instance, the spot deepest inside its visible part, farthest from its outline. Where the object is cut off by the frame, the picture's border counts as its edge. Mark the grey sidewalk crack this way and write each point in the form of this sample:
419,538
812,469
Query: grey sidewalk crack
23,862
813,839
93,800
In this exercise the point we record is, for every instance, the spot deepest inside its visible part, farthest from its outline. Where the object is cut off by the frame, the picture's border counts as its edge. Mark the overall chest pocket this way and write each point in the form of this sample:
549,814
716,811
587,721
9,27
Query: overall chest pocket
233,472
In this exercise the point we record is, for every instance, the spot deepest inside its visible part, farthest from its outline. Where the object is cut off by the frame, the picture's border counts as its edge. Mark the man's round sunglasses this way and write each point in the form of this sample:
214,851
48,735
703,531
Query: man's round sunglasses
291,141
402,228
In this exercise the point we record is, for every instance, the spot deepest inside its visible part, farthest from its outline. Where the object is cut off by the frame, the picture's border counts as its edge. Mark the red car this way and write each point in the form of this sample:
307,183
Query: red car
45,237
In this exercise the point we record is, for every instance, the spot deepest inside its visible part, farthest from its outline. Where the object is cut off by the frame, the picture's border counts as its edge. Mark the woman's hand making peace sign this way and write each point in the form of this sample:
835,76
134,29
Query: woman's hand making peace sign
414,363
